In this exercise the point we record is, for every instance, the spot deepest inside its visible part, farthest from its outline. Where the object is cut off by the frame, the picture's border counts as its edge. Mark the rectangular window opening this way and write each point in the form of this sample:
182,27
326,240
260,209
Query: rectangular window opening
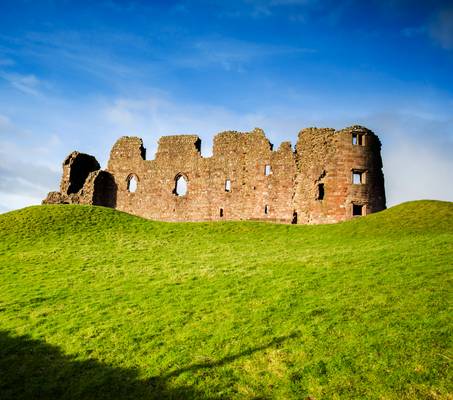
358,177
266,209
320,192
357,210
221,213
227,185
358,139
267,170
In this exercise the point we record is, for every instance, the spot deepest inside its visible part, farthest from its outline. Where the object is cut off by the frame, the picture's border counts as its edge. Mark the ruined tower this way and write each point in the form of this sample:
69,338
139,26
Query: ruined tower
331,176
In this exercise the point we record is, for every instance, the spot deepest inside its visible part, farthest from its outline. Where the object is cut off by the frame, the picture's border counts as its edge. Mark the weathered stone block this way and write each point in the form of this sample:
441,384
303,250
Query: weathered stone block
244,179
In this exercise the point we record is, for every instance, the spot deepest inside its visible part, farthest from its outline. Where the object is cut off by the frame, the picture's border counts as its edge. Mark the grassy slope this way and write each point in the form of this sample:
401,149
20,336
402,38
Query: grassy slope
94,302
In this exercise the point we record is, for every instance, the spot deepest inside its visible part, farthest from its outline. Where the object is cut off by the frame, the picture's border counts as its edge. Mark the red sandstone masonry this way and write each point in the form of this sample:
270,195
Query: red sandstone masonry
281,186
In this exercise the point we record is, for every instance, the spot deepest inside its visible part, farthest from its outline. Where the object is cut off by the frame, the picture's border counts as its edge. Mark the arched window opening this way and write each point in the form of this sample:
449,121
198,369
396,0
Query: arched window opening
227,185
132,184
180,186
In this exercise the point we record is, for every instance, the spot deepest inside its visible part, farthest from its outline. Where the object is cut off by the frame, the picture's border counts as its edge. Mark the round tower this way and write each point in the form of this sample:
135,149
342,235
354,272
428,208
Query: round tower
339,175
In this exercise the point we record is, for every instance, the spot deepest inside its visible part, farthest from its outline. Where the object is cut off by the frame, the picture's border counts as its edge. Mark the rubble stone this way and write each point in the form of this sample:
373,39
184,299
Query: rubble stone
244,179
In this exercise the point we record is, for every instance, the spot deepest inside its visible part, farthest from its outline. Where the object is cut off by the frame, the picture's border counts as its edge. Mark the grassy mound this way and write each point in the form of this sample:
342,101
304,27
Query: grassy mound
95,303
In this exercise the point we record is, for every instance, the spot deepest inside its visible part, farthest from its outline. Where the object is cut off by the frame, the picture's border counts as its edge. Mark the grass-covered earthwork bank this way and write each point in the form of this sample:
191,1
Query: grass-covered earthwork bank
95,303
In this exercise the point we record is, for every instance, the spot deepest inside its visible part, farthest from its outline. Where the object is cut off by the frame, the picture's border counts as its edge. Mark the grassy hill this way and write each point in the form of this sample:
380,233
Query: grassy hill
95,303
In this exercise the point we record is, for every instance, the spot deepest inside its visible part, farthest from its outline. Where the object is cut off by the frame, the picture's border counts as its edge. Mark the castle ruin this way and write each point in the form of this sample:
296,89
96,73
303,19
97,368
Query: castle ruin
331,176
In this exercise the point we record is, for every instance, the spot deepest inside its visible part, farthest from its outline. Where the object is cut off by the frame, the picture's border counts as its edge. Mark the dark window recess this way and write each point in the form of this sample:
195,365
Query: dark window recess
227,185
105,190
221,212
357,210
320,195
82,165
294,220
266,209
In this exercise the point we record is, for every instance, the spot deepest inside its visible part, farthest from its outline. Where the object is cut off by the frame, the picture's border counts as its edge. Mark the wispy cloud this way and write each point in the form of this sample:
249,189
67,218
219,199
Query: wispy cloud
28,84
441,28
231,54
6,62
121,6
23,176
80,89
259,8
87,54
417,141
438,27
411,32
5,124
155,116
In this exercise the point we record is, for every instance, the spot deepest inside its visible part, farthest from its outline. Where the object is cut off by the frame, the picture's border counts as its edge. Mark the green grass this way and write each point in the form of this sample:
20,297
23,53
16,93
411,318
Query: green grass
95,303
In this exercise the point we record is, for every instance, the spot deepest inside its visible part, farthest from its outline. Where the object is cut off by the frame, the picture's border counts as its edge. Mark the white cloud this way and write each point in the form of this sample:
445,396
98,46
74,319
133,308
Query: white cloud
417,148
417,141
153,117
417,138
11,201
414,171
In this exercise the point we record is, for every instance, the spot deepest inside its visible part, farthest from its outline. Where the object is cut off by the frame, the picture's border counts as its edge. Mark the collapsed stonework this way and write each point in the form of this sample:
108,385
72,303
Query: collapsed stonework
331,176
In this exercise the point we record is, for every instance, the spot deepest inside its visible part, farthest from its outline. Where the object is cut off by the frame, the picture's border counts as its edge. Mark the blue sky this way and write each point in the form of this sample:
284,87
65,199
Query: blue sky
77,75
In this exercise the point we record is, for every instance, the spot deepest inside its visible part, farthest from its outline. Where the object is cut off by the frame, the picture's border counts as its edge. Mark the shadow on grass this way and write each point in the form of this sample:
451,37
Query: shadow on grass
210,364
31,369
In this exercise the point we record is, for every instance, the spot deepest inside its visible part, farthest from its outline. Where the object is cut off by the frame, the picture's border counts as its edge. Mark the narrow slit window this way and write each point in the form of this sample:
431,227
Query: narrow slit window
132,184
320,195
266,209
294,220
228,185
221,213
358,177
357,210
267,170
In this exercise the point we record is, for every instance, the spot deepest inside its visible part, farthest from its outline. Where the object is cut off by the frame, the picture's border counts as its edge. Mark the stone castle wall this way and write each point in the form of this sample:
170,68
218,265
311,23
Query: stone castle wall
331,176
